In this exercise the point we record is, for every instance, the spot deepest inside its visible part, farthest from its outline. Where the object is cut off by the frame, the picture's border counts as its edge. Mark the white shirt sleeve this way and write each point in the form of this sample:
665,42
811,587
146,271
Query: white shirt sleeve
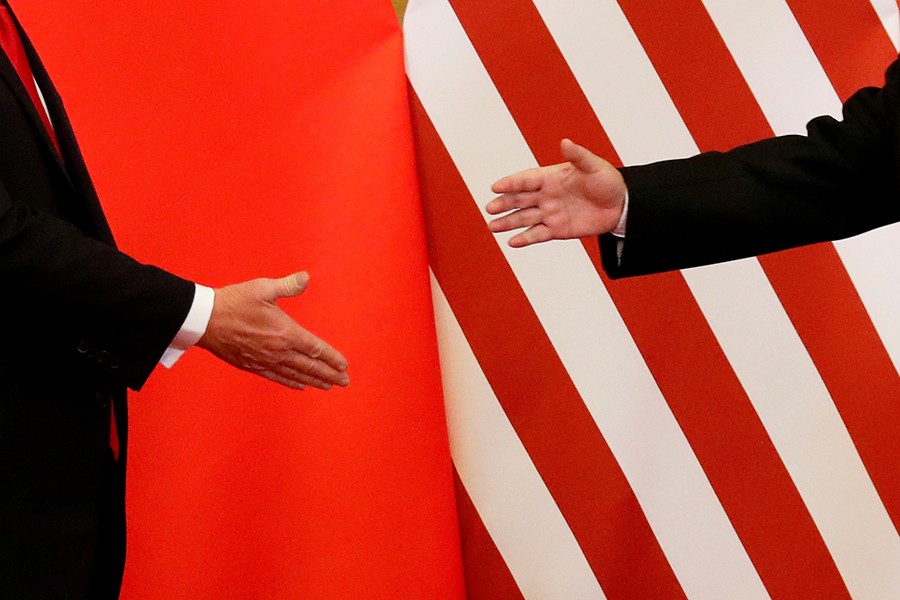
193,328
619,231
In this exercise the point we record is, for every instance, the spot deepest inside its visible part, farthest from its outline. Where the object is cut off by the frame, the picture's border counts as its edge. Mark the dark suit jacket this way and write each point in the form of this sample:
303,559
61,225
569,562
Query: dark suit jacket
842,179
79,322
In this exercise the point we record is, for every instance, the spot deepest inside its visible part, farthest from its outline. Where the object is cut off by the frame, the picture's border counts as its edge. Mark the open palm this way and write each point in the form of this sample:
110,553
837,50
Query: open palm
583,196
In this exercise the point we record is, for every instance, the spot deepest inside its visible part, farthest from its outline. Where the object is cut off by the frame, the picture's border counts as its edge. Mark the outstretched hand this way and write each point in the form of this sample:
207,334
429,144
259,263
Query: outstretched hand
248,330
581,197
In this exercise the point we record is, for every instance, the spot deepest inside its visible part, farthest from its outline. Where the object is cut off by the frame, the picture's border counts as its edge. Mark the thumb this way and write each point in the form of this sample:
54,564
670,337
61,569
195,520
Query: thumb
582,158
290,286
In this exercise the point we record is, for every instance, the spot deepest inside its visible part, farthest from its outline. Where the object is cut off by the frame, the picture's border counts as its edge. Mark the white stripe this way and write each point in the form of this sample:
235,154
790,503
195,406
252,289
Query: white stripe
609,62
765,40
803,423
596,348
872,261
890,18
792,88
878,280
760,31
860,518
624,98
512,500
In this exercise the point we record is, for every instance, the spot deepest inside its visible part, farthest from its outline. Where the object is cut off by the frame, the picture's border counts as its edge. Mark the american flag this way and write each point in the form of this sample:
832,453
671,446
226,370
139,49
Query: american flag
718,433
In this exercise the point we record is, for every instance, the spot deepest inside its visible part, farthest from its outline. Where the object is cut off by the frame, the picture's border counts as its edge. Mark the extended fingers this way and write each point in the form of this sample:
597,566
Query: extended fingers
294,355
317,349
315,369
533,235
297,370
285,381
314,357
508,202
525,217
295,379
525,181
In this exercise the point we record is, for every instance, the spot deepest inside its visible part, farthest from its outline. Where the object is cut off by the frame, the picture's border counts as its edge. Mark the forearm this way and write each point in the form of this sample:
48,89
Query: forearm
114,307
838,181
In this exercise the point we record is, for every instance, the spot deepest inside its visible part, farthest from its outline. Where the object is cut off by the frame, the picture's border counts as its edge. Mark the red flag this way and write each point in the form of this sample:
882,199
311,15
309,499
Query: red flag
231,140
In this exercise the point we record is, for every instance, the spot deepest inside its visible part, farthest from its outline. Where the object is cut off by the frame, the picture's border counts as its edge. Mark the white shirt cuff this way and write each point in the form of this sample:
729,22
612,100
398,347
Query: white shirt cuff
194,325
619,231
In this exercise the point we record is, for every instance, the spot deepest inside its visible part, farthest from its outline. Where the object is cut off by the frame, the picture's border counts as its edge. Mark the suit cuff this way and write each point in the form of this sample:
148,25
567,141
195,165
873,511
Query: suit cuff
194,325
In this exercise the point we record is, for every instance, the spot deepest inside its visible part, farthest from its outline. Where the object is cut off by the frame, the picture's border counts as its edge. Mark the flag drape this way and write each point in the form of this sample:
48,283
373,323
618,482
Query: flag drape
724,432
232,140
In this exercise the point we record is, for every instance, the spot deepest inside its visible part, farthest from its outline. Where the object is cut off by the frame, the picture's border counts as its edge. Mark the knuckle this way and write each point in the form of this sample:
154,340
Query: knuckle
305,364
289,285
250,364
316,350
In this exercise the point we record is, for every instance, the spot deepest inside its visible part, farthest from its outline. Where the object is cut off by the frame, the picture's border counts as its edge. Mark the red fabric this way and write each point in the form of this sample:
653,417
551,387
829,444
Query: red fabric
15,52
230,141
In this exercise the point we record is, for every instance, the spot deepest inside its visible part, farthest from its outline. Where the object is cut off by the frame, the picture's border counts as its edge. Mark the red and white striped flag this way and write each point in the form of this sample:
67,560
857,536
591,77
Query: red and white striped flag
724,432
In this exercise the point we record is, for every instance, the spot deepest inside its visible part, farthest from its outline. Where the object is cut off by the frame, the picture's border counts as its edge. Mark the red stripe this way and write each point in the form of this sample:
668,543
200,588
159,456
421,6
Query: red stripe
487,575
687,363
848,39
698,72
835,327
533,386
847,350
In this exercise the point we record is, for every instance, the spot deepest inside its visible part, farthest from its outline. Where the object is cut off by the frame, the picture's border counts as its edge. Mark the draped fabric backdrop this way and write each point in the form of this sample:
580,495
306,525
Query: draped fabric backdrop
231,140
725,432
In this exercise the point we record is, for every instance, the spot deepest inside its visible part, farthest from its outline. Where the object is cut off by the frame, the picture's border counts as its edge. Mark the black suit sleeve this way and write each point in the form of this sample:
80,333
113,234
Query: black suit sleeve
838,181
118,314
